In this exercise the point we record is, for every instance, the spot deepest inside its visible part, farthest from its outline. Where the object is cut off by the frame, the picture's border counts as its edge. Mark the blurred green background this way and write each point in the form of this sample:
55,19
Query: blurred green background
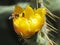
7,34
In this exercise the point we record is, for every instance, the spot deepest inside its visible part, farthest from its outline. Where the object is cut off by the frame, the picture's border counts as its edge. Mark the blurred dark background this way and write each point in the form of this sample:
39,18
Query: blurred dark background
7,34
11,2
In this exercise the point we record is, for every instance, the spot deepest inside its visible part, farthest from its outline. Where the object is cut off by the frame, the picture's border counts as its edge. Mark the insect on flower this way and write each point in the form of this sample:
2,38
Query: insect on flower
28,21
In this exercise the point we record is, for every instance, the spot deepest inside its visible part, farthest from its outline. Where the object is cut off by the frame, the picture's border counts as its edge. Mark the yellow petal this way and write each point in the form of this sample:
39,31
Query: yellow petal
18,9
28,11
41,11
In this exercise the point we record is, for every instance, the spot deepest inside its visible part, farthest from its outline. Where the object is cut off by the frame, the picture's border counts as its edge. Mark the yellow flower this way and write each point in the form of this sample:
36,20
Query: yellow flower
29,20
